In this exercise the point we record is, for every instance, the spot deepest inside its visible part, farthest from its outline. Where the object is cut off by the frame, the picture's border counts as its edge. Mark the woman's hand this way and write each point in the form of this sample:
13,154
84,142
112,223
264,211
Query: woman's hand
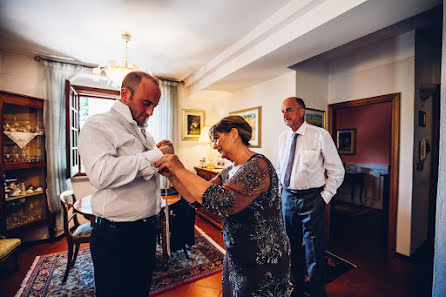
168,165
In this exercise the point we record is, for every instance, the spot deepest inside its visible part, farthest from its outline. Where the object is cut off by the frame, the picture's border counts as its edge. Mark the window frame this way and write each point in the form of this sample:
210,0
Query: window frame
73,94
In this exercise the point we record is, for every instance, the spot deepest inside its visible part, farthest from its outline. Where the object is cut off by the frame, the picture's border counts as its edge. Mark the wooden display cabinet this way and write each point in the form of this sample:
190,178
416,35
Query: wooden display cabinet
211,217
23,168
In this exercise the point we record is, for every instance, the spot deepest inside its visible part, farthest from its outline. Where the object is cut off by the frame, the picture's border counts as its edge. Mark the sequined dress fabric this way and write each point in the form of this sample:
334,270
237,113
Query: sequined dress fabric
257,248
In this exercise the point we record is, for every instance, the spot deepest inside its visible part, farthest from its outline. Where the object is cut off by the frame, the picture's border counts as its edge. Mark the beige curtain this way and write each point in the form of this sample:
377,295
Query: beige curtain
161,124
54,121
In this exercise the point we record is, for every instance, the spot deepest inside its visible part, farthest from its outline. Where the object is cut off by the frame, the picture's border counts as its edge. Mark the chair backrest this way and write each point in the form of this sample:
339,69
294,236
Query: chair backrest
67,200
182,225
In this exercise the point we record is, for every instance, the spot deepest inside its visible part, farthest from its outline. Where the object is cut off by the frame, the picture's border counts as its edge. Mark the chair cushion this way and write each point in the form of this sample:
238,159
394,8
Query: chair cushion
8,245
83,230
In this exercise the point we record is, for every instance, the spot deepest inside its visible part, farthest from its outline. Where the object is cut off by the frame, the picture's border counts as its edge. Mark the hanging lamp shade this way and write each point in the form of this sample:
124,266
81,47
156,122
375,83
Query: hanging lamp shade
116,73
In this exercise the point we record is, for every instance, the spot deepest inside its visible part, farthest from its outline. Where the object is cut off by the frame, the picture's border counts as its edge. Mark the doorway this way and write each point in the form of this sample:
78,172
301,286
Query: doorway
368,220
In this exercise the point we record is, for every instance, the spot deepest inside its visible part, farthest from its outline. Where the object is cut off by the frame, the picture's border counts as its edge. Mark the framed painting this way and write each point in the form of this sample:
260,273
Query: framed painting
315,117
254,118
193,122
346,141
421,118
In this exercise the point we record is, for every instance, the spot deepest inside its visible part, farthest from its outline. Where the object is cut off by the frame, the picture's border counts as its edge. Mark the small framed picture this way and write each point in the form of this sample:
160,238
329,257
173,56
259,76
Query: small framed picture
221,163
315,117
193,122
421,118
346,141
254,118
422,149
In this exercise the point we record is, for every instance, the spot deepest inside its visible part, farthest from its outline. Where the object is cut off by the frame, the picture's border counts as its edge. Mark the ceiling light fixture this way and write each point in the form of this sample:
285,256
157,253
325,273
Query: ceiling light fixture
116,73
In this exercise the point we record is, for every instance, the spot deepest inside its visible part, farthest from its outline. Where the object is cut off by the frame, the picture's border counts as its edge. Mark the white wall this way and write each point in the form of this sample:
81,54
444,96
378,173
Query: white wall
21,74
269,95
312,83
190,151
385,68
218,104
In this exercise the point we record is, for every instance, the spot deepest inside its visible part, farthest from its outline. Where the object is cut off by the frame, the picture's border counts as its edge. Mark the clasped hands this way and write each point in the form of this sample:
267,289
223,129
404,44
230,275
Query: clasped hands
169,163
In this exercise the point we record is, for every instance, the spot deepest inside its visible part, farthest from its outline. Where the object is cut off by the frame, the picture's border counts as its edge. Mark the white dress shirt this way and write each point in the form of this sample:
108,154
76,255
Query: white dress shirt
316,162
120,163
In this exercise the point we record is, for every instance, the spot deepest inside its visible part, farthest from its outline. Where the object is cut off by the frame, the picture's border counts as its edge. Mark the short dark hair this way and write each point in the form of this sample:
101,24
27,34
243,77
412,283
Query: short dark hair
227,123
300,101
132,80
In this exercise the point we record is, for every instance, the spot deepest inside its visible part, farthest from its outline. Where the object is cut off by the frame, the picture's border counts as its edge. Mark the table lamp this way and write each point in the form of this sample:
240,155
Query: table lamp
204,139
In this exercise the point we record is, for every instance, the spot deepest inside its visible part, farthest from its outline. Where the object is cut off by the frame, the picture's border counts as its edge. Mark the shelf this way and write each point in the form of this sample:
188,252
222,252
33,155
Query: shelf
24,165
23,196
25,224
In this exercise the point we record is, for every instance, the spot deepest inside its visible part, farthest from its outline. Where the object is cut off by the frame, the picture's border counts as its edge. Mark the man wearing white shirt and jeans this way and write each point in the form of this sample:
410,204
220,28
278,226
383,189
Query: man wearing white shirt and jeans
119,158
310,171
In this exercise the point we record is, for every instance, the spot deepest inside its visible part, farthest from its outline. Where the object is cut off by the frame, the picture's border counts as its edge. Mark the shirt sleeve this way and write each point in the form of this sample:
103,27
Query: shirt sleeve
250,181
147,165
104,167
333,167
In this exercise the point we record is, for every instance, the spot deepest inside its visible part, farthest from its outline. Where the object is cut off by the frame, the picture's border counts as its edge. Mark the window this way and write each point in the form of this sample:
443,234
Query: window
81,103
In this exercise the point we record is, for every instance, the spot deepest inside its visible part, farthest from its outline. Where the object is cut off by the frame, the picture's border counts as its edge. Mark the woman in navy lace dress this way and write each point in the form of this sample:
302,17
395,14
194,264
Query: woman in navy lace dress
246,195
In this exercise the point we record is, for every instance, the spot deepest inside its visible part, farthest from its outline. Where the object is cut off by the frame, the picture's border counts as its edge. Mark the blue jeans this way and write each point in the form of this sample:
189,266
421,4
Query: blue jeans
304,217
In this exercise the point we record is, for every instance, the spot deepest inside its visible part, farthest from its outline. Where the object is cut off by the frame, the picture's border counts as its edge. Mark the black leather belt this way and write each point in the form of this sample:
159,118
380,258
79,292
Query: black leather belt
104,221
312,190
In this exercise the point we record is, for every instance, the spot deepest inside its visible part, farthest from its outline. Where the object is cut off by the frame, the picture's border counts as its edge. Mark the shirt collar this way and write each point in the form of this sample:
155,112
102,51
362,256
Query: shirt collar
125,112
301,130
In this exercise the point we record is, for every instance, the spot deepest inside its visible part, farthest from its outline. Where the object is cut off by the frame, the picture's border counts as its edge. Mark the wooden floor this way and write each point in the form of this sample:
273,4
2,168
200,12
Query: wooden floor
373,278
362,240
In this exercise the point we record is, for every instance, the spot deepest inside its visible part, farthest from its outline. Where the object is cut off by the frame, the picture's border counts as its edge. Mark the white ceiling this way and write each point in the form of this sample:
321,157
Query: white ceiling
208,43
171,38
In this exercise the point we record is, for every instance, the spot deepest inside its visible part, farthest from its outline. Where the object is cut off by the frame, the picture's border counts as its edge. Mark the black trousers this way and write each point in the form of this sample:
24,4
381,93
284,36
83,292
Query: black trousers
304,217
123,257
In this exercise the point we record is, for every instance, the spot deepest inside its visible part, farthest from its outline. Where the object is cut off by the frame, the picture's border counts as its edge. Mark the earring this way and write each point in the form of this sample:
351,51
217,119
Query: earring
233,141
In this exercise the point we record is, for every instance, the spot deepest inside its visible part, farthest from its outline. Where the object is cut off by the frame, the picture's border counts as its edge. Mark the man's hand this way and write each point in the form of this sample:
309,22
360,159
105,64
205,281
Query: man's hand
166,147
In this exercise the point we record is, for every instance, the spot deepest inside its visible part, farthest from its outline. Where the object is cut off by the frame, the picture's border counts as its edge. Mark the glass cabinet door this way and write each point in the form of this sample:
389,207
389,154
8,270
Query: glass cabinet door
23,134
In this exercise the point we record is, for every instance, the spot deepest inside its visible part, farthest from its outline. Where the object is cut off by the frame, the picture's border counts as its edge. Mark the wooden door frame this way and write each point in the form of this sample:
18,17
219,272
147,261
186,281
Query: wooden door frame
394,157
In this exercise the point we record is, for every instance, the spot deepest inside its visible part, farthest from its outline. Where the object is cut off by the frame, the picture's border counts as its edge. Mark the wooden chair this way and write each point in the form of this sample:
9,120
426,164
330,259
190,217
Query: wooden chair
181,222
80,233
9,247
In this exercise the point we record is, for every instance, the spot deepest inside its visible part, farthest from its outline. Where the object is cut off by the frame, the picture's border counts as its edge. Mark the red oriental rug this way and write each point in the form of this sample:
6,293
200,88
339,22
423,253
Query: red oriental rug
44,279
45,275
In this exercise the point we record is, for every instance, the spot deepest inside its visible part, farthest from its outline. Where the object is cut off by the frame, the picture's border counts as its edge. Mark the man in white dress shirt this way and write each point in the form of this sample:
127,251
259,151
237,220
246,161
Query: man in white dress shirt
310,171
119,158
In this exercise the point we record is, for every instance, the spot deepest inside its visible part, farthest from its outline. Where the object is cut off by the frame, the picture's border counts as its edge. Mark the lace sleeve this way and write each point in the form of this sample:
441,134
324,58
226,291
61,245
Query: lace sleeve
250,181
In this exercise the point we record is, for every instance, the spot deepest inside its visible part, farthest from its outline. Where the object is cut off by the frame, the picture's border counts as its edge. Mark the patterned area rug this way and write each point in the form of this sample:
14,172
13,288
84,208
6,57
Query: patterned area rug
45,275
44,279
